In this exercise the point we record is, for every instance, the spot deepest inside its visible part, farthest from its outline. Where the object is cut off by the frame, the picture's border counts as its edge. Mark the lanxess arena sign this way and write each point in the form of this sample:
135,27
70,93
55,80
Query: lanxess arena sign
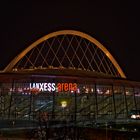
50,87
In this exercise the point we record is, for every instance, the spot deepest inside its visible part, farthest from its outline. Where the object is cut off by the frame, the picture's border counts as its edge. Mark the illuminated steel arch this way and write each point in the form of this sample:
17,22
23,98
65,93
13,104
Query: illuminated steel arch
67,49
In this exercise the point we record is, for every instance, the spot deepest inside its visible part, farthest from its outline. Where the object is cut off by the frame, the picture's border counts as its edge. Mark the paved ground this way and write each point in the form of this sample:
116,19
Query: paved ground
2,138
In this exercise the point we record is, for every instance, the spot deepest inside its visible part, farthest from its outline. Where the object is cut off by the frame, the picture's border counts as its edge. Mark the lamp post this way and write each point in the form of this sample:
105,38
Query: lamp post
106,130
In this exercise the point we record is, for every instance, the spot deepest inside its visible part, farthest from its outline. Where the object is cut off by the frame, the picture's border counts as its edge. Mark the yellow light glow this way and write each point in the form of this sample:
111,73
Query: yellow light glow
63,104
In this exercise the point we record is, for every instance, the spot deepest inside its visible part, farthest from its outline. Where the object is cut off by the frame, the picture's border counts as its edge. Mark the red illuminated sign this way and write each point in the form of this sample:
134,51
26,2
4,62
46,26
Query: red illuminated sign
66,87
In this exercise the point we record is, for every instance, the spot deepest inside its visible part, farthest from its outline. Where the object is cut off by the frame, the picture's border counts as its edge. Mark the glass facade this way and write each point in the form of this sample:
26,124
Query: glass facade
67,100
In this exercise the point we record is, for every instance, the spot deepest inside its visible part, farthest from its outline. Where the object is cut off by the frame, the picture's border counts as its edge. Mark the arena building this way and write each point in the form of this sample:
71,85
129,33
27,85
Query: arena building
67,76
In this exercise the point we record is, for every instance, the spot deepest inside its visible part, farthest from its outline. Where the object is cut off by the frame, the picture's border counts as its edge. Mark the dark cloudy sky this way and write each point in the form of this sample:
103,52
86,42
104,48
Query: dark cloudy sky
115,24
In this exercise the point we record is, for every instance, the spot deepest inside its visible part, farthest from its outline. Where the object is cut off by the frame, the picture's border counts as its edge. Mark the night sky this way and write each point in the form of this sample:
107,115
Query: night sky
114,24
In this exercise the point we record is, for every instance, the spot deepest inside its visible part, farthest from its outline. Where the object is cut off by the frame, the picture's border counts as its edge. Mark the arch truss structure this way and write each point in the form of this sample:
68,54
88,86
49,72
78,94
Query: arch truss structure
67,49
